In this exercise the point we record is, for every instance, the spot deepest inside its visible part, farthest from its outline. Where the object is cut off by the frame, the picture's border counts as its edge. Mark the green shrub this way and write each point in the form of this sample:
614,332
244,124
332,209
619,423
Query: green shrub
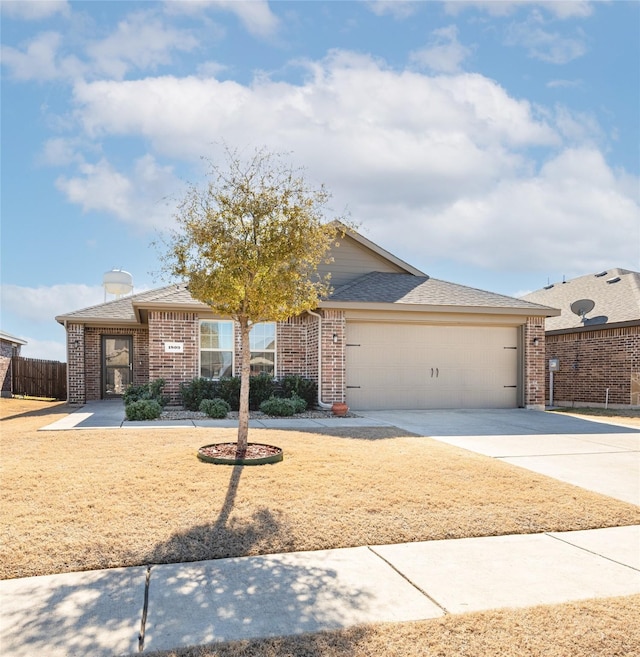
281,407
216,408
143,409
152,390
229,390
278,406
307,389
261,388
193,392
299,404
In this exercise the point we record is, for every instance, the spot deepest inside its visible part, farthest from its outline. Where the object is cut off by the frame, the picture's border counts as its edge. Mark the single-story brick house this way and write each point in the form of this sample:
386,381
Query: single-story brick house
598,349
388,337
9,347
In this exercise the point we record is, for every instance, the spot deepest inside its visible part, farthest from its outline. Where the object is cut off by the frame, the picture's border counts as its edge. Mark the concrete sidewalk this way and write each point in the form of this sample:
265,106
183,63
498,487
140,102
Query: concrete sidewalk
102,613
110,415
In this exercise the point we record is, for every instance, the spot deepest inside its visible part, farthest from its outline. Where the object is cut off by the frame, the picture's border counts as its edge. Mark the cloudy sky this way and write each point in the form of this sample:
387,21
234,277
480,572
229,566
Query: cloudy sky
492,144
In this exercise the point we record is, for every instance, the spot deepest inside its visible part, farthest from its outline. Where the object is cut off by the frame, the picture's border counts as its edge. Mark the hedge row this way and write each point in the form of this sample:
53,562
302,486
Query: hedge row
262,387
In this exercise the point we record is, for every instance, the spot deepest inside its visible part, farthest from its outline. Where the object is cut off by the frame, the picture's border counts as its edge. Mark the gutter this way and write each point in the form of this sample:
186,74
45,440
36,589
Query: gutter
321,404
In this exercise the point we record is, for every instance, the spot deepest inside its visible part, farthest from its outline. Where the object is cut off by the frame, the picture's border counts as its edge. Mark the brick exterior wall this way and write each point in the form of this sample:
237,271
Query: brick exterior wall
534,363
7,351
333,356
174,368
297,353
76,391
592,362
84,367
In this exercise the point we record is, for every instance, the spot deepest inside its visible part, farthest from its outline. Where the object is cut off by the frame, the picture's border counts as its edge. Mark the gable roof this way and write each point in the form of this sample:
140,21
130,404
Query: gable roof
408,290
131,309
615,293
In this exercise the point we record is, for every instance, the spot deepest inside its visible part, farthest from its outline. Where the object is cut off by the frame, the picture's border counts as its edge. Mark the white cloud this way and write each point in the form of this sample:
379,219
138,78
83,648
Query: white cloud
59,151
562,9
564,84
40,59
42,304
547,46
255,15
140,41
445,158
444,53
399,9
138,198
34,9
575,215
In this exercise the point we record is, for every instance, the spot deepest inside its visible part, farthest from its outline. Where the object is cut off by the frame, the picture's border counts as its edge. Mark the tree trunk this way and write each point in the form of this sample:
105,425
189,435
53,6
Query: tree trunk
245,375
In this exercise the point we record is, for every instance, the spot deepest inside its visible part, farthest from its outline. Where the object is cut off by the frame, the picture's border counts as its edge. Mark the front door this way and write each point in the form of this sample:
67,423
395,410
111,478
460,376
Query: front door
117,364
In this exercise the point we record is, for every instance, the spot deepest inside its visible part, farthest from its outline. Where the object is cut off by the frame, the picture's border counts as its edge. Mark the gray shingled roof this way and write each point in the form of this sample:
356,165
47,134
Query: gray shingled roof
375,287
379,287
615,300
122,310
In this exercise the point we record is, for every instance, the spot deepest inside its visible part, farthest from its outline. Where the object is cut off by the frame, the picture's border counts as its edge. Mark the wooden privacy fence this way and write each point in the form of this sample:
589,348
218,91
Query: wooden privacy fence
39,378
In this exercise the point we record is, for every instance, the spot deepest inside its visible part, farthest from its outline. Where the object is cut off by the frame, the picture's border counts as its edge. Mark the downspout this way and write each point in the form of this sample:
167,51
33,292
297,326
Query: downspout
321,404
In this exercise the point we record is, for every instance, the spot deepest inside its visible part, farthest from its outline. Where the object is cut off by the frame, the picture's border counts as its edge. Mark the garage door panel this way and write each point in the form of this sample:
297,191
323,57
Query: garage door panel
410,366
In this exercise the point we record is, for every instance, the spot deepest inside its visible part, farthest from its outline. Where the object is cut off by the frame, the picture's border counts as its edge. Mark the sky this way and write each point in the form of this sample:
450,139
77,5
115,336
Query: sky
490,144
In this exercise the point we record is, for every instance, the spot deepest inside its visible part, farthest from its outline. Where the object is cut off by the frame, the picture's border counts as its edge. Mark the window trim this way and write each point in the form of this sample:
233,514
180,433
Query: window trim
234,344
268,351
201,348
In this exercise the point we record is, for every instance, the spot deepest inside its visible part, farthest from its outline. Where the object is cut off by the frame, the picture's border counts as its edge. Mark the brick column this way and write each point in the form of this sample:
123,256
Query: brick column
333,356
76,391
534,364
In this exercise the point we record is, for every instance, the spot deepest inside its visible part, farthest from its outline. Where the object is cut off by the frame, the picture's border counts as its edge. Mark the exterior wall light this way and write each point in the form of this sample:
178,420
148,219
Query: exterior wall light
536,342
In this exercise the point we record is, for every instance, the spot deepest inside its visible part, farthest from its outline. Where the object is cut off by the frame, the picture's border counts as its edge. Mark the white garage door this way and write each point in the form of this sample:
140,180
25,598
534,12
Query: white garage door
409,366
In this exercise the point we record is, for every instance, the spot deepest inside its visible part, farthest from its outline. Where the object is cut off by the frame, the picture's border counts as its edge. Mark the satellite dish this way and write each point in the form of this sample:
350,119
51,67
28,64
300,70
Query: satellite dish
118,282
582,306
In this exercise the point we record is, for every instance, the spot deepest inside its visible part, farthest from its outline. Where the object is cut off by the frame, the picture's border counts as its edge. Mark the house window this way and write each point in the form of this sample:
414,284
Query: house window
263,349
216,349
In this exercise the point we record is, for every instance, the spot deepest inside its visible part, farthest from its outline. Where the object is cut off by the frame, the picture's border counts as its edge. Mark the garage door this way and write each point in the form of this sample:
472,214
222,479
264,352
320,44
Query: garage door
409,366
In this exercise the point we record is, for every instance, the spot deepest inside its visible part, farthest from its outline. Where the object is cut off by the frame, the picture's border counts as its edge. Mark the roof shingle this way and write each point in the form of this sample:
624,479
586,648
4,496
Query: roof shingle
379,287
615,300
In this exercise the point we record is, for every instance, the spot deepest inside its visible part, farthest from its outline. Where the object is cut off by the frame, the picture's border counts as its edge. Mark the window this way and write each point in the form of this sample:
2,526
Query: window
216,349
263,349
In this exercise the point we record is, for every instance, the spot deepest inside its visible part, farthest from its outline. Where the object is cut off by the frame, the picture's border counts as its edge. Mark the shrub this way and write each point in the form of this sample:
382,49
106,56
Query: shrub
229,390
261,388
307,389
152,390
216,408
193,392
143,409
278,406
299,404
281,407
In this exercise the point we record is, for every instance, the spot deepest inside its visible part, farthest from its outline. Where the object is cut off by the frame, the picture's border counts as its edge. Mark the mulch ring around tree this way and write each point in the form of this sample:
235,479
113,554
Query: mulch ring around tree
228,454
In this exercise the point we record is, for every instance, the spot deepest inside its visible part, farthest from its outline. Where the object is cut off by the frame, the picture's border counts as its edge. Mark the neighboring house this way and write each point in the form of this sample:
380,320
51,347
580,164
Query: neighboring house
9,346
596,338
388,337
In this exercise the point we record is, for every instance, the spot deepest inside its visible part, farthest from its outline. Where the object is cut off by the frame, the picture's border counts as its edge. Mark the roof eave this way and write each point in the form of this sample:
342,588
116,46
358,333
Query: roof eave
593,327
99,321
439,308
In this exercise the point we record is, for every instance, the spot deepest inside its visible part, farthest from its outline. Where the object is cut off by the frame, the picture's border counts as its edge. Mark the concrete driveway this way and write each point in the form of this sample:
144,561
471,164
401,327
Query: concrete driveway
601,457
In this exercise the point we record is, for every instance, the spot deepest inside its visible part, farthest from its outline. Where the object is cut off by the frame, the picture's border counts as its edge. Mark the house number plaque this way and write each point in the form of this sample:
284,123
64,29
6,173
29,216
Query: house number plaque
174,347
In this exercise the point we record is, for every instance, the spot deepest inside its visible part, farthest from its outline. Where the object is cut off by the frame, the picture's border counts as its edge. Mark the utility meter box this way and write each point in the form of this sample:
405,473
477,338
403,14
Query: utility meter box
554,364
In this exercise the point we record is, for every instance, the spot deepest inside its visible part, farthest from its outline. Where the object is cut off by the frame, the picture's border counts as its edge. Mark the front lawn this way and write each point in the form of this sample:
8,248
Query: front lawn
79,500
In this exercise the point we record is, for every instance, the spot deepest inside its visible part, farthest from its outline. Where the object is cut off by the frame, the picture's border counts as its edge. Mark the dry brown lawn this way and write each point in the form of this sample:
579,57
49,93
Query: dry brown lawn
90,499
595,628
